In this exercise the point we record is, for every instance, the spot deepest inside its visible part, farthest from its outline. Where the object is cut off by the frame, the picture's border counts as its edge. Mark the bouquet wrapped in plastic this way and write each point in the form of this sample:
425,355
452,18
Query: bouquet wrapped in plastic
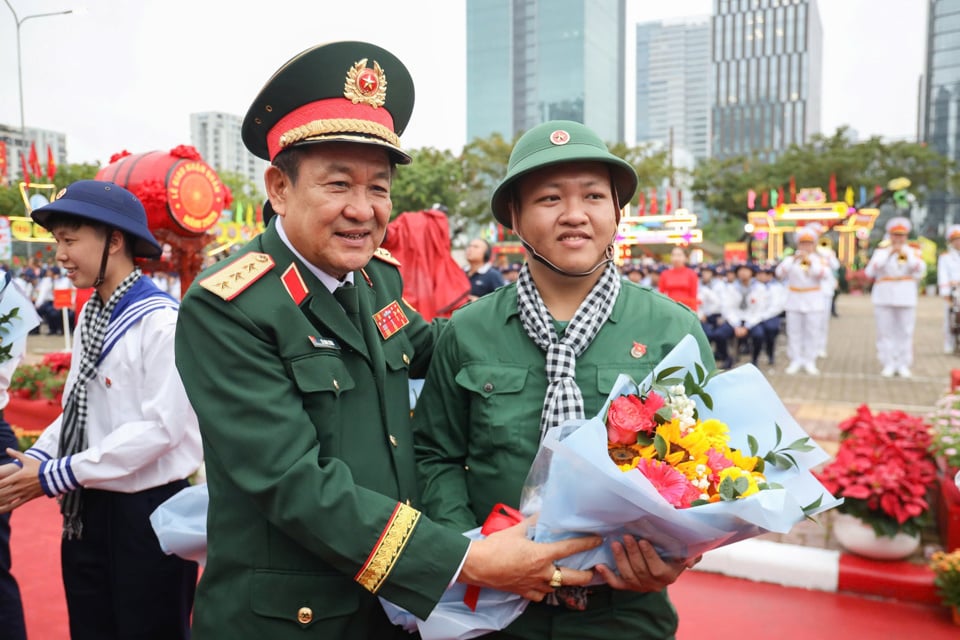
714,459
686,459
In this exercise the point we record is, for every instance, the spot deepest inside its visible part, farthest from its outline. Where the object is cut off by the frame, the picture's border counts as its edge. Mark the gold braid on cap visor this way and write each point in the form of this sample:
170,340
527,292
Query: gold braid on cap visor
338,125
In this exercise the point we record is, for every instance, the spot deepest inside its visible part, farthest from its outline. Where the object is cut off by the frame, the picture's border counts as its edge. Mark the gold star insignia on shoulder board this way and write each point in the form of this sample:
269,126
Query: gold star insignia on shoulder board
385,256
228,282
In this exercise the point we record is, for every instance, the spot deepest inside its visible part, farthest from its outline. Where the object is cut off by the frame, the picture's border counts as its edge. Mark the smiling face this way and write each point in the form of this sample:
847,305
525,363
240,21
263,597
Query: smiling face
79,251
335,211
567,213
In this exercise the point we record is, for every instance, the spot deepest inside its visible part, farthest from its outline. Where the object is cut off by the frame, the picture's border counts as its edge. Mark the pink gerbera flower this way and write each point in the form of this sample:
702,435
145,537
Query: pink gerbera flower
670,483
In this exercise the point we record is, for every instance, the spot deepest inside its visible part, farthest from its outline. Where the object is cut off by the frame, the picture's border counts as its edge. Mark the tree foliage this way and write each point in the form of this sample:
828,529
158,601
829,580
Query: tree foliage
11,202
433,177
721,184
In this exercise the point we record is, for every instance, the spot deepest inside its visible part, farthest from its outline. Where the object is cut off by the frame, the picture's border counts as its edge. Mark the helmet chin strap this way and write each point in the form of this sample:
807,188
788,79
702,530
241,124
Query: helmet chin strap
607,257
103,260
607,252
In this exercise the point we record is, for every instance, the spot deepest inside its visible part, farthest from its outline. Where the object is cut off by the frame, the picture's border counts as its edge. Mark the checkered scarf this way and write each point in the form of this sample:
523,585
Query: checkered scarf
73,433
563,400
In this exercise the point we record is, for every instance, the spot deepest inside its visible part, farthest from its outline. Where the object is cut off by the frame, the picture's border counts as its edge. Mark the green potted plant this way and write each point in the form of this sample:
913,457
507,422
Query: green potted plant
946,578
884,472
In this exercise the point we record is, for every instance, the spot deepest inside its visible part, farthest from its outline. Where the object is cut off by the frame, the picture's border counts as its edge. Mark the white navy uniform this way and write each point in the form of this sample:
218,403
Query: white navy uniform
828,287
894,297
804,307
948,277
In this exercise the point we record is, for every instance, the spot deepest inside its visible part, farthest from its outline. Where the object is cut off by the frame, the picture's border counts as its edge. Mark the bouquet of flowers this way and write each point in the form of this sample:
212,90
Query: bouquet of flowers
883,470
944,423
666,461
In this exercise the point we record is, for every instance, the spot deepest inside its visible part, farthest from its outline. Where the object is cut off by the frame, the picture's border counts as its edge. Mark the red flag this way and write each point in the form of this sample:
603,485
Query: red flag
26,170
780,195
653,202
679,198
765,199
51,165
751,199
641,204
668,203
833,187
793,190
35,161
3,159
877,190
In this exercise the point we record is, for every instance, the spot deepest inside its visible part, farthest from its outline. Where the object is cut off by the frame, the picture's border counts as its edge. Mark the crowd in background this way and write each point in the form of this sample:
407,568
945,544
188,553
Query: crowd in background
38,280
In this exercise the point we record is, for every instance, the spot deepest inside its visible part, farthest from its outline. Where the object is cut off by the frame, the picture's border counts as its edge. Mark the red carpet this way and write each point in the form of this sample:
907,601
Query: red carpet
710,605
724,608
35,542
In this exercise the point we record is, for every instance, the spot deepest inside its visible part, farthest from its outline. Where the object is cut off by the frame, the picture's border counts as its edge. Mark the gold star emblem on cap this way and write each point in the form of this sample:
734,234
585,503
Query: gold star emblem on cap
365,85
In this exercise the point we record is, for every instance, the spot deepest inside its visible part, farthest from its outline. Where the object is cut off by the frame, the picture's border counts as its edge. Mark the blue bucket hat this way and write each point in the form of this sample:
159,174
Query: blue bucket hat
106,203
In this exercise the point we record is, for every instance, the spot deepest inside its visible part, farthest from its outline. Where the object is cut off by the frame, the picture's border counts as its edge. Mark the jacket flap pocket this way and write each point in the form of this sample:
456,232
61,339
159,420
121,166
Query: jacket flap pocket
302,598
320,372
488,379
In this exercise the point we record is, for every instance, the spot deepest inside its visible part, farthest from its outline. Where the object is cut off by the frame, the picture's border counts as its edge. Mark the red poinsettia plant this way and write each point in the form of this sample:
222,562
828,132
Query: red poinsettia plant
44,380
883,471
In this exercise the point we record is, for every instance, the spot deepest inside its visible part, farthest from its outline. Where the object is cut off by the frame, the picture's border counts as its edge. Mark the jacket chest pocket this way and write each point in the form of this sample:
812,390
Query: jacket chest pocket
502,409
322,378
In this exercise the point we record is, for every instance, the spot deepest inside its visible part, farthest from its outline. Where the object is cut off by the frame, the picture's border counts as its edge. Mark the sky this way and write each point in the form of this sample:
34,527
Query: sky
127,74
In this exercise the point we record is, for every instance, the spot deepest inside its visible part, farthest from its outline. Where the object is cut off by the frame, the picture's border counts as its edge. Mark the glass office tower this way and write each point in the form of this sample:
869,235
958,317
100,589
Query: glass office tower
767,57
529,61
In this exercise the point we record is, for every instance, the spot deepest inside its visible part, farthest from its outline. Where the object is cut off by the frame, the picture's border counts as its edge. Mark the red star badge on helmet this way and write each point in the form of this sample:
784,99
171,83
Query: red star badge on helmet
559,137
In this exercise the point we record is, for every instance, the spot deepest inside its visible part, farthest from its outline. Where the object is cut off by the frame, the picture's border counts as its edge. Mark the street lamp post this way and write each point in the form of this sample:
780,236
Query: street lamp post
19,21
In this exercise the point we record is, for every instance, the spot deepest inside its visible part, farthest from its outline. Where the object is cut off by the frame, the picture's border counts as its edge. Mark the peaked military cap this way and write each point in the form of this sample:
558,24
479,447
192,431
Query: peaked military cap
953,232
560,142
899,225
336,92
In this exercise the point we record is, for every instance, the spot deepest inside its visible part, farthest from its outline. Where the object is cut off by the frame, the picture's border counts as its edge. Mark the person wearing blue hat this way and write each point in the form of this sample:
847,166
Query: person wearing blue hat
526,357
948,286
127,438
297,353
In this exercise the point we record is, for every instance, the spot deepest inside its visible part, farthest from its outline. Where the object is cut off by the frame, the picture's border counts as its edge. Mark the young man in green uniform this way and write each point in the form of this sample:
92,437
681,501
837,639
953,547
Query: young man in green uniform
295,354
549,348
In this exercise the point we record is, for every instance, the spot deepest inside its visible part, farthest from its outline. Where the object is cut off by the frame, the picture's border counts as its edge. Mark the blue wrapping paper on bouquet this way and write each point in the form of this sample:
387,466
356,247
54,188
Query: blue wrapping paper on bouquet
577,489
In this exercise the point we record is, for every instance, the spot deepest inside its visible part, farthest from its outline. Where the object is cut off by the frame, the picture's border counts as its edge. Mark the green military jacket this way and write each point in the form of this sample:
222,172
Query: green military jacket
477,427
308,448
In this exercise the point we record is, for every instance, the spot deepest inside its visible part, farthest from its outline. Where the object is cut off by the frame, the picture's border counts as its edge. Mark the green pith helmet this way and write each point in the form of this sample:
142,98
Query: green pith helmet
559,142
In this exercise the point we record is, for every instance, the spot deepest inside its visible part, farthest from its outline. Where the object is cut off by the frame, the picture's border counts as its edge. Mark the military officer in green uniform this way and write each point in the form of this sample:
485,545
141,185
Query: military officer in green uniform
296,354
549,348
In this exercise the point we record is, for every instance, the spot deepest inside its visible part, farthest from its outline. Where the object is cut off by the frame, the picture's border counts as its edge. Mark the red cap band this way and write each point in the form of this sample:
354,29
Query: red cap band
328,109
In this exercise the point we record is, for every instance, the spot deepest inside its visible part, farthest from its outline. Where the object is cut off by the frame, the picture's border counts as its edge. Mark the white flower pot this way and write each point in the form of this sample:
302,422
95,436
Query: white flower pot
858,537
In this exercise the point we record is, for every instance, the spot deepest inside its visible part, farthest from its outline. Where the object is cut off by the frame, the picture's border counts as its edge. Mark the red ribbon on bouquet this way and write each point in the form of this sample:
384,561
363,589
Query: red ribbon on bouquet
501,517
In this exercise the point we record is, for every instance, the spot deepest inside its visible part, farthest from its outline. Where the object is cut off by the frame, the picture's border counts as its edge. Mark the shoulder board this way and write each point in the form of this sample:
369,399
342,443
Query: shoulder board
230,281
383,254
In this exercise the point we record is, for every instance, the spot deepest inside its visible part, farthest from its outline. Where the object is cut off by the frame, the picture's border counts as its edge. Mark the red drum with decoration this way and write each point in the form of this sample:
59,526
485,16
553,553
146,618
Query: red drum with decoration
179,191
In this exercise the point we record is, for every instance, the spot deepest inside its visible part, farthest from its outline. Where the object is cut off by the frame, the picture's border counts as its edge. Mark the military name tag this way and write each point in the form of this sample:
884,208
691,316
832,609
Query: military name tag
323,343
390,319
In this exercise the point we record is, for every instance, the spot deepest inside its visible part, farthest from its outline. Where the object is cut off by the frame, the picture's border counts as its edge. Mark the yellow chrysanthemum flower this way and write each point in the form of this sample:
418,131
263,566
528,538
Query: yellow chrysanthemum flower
747,463
734,473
